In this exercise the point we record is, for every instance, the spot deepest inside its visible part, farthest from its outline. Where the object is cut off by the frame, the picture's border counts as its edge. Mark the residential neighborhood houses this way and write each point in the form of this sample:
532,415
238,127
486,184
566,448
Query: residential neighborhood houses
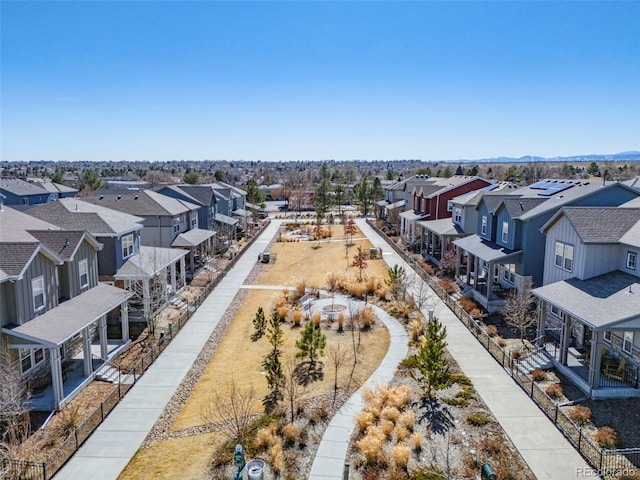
80,276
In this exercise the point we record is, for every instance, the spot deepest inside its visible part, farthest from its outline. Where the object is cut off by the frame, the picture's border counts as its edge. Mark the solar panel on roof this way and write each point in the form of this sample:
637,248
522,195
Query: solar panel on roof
488,188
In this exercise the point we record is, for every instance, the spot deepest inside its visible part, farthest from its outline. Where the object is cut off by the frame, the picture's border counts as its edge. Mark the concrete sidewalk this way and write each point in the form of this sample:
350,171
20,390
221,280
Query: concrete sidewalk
547,452
109,449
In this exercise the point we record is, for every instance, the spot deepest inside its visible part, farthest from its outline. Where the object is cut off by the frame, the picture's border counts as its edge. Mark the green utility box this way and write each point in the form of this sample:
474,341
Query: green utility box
487,473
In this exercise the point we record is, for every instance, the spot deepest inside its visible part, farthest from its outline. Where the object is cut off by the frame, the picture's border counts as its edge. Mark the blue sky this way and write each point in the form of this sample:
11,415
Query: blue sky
315,80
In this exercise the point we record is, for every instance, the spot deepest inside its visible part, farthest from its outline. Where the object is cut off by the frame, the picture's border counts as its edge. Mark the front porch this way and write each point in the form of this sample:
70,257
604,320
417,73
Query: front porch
436,238
57,346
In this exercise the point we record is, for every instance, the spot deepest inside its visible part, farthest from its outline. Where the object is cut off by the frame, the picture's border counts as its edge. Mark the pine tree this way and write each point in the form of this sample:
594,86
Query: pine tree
259,324
397,281
312,342
272,363
431,364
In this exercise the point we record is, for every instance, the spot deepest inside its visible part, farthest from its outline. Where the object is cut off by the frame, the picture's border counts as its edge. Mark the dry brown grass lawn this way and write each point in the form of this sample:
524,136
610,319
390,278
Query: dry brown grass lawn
236,356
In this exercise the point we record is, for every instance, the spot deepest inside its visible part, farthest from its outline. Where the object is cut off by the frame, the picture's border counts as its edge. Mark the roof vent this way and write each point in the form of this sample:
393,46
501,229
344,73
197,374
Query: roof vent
101,197
521,206
136,197
119,197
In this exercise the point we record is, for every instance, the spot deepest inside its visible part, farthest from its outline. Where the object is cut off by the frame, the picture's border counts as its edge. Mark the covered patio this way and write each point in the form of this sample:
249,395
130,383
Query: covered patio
408,222
153,276
199,243
72,326
437,237
585,325
488,269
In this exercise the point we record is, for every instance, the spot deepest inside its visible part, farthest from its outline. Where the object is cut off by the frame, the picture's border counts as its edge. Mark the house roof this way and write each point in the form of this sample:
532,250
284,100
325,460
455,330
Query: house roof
14,257
601,224
202,193
14,225
220,217
606,302
443,226
65,243
182,192
192,238
149,261
59,324
519,206
53,187
20,187
76,214
411,216
474,197
143,203
486,250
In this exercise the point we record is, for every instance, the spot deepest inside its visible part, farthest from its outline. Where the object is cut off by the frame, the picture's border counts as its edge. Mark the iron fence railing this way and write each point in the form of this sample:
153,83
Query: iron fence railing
30,470
605,462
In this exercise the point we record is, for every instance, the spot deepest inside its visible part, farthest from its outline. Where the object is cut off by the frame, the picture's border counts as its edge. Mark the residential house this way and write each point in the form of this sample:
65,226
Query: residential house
508,250
589,305
59,190
53,308
123,261
393,204
20,193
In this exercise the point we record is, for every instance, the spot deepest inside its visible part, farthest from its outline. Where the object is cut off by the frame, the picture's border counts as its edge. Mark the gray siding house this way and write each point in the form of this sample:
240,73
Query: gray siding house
589,306
52,307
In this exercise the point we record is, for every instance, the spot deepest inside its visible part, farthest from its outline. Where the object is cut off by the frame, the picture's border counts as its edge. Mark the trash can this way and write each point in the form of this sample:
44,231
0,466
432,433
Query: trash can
266,256
255,469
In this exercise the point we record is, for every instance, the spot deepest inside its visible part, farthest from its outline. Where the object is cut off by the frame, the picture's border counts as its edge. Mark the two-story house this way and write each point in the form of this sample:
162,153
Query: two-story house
52,307
509,246
589,305
122,261
21,194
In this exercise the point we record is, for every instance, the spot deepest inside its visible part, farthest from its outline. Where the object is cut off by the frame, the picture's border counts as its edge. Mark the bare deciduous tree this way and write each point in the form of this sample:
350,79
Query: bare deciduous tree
338,355
519,311
292,388
231,407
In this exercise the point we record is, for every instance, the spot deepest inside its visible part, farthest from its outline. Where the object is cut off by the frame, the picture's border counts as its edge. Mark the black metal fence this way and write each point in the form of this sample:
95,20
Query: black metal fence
29,470
607,462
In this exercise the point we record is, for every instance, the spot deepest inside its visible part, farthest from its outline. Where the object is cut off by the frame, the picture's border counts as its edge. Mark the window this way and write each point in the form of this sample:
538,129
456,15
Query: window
631,260
627,342
564,256
194,220
555,311
509,272
25,201
176,224
505,232
607,336
457,214
83,267
449,206
29,358
127,246
37,290
483,230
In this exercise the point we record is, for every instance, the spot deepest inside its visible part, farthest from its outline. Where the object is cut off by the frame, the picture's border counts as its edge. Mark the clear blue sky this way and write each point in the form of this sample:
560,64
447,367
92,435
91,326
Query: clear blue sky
162,80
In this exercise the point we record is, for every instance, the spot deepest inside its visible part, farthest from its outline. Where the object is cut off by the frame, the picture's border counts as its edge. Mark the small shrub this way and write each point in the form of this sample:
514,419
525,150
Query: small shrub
69,420
580,414
468,304
368,318
554,390
400,454
448,285
456,401
492,445
399,396
282,313
501,342
301,288
478,419
290,433
316,318
416,441
407,419
265,438
390,413
539,375
381,293
340,322
491,330
303,438
371,445
364,420
401,433
276,455
416,328
357,290
606,437
516,354
386,426
296,317
373,283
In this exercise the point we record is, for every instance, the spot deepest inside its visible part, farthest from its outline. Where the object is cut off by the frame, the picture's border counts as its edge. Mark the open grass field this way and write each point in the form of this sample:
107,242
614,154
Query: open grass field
188,453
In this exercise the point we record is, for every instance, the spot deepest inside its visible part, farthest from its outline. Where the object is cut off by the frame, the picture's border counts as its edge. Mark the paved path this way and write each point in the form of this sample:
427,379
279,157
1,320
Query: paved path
543,447
332,451
109,449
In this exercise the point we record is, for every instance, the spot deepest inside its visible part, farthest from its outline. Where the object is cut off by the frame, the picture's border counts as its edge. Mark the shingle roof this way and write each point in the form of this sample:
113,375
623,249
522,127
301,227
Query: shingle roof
143,203
519,206
75,214
62,242
602,224
53,187
14,256
14,226
202,193
20,187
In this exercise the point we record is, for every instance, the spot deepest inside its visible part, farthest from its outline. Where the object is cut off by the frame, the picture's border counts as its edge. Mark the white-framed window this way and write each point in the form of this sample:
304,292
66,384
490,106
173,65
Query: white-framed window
128,245
505,232
30,358
25,201
632,260
457,214
37,291
555,311
627,342
449,206
483,228
564,256
509,272
607,336
83,268
176,224
194,220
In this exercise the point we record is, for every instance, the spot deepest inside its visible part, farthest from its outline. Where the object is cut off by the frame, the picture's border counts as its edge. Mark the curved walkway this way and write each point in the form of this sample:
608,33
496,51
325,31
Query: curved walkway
549,455
331,454
108,451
